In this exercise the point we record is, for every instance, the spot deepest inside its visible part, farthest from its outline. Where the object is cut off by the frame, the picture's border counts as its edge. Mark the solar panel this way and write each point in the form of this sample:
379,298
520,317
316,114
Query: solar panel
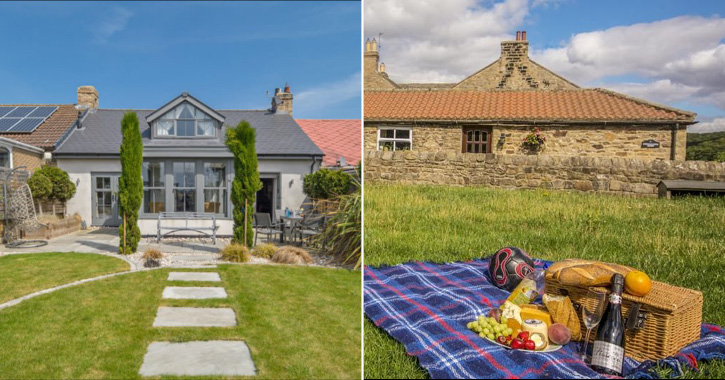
43,112
20,112
23,119
27,125
5,124
5,110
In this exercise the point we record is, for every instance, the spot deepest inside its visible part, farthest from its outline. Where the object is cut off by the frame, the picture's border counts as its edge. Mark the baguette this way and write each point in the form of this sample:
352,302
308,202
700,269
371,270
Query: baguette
585,273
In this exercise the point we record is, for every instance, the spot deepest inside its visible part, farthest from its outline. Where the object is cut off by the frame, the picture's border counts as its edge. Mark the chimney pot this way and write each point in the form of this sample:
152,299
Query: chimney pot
277,90
374,45
286,88
518,35
523,36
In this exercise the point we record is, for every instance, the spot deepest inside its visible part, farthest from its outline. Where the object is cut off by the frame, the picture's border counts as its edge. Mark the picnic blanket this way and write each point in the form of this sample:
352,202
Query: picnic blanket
426,307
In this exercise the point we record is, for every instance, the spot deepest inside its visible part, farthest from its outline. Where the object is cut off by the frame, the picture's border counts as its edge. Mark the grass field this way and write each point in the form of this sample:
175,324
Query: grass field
679,241
25,274
299,322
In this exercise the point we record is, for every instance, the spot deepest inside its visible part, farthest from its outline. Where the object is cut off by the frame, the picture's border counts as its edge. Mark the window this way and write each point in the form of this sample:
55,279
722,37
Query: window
184,190
395,139
5,158
154,191
215,188
476,140
185,120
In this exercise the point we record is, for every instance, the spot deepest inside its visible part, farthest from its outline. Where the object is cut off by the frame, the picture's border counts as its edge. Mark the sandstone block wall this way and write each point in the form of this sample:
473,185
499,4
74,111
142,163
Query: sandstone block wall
23,157
624,176
586,141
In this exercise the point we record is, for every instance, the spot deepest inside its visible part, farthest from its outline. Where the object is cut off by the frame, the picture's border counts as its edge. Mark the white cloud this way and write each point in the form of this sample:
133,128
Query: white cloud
714,125
434,41
115,22
329,94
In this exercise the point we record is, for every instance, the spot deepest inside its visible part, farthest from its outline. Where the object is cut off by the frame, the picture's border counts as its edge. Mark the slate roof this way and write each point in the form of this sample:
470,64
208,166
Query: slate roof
277,134
336,138
592,105
52,129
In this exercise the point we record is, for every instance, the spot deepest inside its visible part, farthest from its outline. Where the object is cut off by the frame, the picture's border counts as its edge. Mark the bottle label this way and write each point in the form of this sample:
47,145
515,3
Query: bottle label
608,355
615,298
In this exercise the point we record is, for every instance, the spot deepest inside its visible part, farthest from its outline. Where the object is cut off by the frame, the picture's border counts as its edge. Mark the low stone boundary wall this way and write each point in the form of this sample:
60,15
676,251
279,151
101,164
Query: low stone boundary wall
626,176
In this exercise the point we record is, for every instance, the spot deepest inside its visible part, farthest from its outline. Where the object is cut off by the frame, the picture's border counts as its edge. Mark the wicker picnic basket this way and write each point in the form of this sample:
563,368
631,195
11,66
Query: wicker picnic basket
663,322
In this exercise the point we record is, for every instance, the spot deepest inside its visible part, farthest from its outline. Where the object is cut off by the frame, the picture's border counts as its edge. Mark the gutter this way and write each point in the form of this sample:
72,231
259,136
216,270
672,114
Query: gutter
529,122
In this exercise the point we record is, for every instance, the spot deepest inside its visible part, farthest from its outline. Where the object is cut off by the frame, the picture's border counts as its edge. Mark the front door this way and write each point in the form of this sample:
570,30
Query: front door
105,199
265,197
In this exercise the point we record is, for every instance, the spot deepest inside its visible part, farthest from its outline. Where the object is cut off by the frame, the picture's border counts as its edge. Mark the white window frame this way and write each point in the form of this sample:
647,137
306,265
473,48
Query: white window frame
394,139
10,156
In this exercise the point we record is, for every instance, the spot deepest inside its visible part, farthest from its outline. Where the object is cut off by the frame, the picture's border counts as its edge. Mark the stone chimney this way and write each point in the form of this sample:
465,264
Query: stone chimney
513,52
282,101
88,96
372,57
514,64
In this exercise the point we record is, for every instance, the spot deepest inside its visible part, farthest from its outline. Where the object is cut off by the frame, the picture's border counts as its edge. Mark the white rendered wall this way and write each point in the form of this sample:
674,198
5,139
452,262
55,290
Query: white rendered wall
291,174
80,171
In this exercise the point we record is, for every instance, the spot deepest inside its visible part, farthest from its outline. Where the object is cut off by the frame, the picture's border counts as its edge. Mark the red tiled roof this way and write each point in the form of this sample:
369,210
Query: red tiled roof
562,105
336,138
46,135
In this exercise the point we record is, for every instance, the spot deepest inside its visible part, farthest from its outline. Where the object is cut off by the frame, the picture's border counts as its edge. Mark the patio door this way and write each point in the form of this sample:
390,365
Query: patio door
105,199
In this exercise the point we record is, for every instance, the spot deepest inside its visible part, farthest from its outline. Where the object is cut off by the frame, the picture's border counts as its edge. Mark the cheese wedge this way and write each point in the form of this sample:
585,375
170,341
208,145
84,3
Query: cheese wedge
530,313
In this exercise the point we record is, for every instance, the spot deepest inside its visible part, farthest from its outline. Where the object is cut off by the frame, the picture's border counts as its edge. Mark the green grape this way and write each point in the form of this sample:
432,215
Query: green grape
509,331
498,335
491,336
504,320
486,331
482,335
469,325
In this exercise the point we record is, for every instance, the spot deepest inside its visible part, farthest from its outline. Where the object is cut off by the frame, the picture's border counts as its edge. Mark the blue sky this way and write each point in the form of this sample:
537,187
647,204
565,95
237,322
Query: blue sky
227,54
666,51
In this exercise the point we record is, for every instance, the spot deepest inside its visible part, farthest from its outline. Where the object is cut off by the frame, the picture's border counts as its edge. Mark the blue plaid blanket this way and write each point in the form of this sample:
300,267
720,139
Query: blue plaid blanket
426,307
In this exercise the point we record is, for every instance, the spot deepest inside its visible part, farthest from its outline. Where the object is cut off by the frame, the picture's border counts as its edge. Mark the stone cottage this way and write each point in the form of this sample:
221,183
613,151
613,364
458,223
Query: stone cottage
494,109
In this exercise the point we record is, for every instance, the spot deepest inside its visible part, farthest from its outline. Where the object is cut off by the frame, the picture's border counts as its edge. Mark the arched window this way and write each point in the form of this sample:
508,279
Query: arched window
185,120
4,157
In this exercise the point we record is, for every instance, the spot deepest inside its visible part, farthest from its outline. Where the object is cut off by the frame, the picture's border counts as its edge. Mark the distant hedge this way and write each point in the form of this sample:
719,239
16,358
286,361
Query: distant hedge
327,183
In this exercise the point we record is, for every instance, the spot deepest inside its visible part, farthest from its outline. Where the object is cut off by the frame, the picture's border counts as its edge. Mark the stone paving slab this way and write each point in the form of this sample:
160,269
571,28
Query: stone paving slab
223,358
195,317
199,266
194,276
193,292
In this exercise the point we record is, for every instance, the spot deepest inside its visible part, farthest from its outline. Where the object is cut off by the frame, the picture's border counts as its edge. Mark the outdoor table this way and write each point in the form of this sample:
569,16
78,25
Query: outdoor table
293,220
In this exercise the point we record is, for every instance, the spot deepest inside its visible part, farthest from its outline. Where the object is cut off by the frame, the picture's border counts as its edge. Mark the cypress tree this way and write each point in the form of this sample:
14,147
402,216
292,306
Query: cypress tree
246,183
130,185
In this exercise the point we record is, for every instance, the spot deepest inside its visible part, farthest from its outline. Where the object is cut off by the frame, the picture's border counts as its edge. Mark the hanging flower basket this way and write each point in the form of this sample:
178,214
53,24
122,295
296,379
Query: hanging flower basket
534,141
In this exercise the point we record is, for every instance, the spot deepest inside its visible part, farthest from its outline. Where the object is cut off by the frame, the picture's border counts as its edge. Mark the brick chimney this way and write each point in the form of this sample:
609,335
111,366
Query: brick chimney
282,101
88,96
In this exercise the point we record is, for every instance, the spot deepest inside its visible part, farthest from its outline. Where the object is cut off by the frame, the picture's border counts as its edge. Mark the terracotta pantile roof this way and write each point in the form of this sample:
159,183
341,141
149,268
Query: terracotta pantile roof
589,105
336,138
48,133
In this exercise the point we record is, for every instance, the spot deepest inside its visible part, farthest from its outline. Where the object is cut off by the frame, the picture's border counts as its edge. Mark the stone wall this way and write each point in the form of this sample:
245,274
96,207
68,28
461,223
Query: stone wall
586,141
625,176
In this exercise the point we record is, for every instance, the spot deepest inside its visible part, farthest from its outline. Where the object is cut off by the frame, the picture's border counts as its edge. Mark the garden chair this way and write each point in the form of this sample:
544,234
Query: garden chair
263,225
309,227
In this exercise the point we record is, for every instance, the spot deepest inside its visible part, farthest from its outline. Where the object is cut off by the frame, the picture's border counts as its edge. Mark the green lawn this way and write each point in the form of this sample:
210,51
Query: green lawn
299,322
679,241
28,273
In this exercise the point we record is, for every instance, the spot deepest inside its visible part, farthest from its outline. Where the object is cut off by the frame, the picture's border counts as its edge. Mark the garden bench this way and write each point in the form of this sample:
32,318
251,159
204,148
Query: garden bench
186,217
666,188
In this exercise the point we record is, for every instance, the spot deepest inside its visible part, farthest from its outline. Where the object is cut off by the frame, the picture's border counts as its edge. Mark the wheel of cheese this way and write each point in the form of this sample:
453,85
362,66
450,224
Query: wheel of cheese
536,326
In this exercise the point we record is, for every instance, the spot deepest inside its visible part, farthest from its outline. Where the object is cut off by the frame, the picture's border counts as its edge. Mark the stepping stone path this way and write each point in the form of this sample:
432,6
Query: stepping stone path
201,358
193,292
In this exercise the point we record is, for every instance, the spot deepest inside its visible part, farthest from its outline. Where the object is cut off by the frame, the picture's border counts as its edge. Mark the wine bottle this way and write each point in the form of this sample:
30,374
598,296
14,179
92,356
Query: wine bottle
608,351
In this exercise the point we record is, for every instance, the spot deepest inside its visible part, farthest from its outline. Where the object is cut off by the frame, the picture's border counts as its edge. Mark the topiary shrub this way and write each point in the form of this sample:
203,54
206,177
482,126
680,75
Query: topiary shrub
327,183
265,250
292,255
152,258
130,184
40,186
236,253
62,187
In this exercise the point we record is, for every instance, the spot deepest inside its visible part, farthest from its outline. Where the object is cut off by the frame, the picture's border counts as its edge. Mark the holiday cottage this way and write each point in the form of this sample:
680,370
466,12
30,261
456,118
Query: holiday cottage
187,166
499,109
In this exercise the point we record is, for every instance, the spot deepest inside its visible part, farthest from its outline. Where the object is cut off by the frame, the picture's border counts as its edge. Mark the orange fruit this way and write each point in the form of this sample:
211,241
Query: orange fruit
637,283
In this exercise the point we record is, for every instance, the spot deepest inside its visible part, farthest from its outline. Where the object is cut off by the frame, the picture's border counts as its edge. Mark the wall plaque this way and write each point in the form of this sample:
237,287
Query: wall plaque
650,144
